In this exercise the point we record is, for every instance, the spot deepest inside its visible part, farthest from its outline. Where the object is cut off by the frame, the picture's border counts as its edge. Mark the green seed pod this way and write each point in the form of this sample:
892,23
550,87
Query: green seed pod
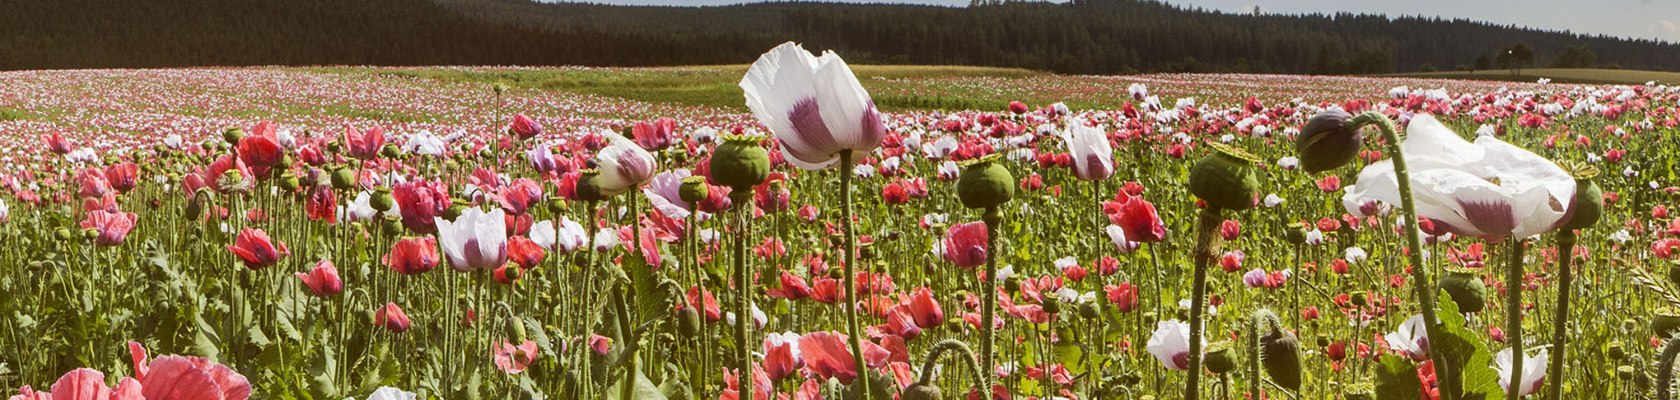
1589,198
588,188
1625,372
985,184
343,178
1295,233
922,391
740,163
390,151
1361,299
1225,178
289,183
1466,289
1220,358
63,234
1327,142
382,199
1665,321
1052,304
693,189
1090,310
1615,351
392,225
232,135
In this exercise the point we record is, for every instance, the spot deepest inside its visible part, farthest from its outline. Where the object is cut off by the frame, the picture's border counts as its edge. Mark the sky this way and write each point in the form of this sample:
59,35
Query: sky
1648,19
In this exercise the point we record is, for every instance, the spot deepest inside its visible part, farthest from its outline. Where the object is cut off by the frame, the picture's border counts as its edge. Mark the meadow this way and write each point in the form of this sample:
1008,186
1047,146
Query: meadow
513,232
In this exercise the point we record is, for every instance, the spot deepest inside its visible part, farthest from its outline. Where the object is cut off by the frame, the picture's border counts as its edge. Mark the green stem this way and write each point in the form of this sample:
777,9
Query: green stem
743,310
988,314
1206,244
1566,250
851,287
1513,317
1420,275
939,350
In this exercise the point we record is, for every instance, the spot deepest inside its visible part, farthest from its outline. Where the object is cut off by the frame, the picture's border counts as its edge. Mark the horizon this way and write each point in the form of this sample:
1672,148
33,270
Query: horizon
1631,19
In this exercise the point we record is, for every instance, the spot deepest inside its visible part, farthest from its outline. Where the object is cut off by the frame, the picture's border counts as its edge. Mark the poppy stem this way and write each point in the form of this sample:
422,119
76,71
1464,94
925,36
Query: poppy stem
1420,275
945,346
851,287
1566,249
743,311
1513,317
1206,243
988,315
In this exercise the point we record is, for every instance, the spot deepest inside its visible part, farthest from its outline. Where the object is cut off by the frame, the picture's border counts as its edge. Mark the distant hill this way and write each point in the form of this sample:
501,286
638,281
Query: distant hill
1081,36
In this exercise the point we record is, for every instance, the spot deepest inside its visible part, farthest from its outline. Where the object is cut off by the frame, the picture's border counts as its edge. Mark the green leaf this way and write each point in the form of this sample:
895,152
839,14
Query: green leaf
642,389
1396,379
537,334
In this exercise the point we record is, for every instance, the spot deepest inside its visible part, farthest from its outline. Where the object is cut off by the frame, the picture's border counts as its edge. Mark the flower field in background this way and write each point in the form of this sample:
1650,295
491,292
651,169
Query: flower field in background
353,233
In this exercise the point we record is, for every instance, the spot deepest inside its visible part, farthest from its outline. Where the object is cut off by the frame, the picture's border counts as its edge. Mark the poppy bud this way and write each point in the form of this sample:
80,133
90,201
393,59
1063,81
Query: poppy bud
1666,321
343,178
1359,391
392,225
201,198
922,391
1327,142
232,135
1219,357
1225,178
1280,351
1466,289
740,163
985,184
688,323
693,189
382,199
1589,198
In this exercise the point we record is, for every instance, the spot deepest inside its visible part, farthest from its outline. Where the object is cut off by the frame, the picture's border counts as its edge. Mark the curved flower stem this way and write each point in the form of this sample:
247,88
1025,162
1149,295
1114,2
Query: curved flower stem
1420,275
1665,367
743,310
850,258
1513,316
1566,249
1206,243
1255,389
949,345
988,314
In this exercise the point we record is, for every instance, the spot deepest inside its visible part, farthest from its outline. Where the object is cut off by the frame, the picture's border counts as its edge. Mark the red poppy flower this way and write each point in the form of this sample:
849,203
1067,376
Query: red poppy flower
322,281
392,318
255,248
413,256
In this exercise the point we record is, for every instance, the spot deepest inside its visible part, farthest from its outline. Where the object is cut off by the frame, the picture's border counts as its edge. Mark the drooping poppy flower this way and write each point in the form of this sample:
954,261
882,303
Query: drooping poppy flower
256,250
1488,189
392,318
624,165
513,359
814,106
323,280
965,244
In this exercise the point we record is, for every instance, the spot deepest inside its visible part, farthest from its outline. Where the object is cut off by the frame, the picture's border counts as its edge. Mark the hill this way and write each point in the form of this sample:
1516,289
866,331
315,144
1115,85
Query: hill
1081,36
1561,75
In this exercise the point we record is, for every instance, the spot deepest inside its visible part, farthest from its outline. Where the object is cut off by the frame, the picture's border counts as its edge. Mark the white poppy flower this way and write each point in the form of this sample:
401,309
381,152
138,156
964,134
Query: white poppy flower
1093,157
1412,339
624,165
814,106
475,240
1170,343
1533,373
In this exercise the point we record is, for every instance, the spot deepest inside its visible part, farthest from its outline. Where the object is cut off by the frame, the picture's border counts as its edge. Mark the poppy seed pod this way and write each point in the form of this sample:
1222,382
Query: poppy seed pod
985,184
343,178
1665,321
693,189
232,135
1225,178
922,391
1219,357
289,183
1295,233
740,163
589,186
1359,391
382,199
1327,142
1466,289
1589,198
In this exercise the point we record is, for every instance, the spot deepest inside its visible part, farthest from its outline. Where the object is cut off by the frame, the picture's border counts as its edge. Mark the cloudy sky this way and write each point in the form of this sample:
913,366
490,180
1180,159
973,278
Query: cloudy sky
1652,19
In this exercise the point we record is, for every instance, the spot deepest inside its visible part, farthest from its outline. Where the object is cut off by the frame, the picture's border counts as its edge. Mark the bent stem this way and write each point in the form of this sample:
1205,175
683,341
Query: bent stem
1566,249
988,316
1206,243
950,345
1513,317
1420,275
851,286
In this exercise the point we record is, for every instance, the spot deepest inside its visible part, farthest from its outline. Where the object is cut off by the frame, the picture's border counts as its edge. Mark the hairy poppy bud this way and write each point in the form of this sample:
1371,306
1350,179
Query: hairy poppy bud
199,202
1225,178
1219,357
922,391
1327,142
1280,351
693,189
688,323
985,184
1466,289
740,163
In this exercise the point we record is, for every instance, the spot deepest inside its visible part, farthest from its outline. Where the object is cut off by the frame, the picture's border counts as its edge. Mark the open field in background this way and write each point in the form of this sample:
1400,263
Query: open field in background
1559,75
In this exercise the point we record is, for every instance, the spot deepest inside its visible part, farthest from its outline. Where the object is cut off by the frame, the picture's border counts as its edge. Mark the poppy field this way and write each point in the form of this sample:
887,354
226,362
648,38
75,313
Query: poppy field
363,233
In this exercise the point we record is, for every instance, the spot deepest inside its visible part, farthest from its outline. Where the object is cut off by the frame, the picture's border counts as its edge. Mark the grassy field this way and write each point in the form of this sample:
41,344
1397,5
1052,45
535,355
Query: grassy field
1559,75
712,86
